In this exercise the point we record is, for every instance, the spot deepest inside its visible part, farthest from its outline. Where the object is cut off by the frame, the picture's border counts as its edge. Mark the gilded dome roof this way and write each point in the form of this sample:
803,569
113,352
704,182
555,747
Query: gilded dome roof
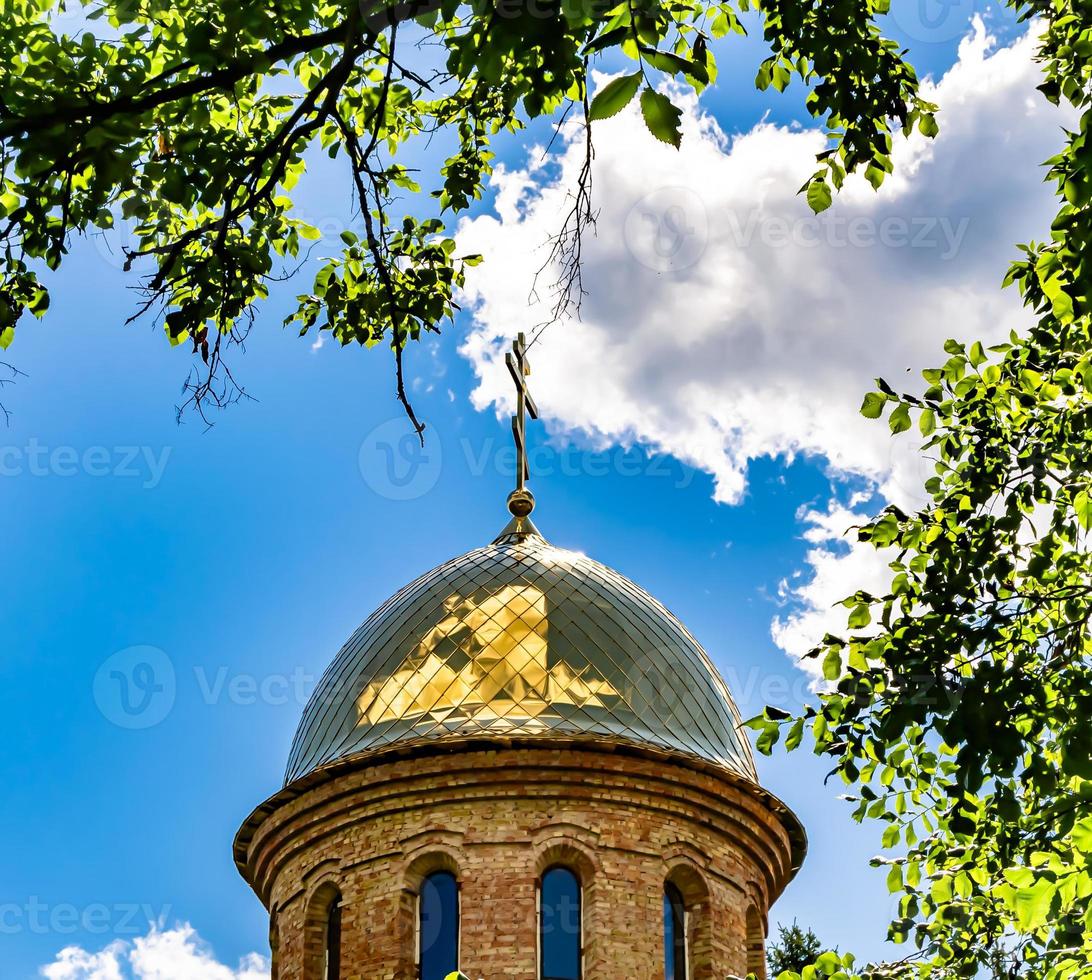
521,638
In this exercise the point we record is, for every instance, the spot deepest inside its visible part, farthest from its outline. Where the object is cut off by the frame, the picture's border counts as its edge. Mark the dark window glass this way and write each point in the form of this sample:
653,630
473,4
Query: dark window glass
439,925
674,934
333,940
559,925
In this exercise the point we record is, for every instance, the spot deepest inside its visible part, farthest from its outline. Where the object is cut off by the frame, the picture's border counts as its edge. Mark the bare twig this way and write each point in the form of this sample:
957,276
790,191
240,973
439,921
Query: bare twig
566,247
213,382
13,374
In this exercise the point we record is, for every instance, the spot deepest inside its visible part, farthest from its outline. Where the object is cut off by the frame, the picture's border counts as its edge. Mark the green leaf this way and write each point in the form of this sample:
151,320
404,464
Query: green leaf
661,117
1032,905
873,405
39,302
672,64
927,422
613,97
795,734
1082,507
900,419
609,39
832,664
7,335
818,195
1060,301
1082,835
860,617
768,738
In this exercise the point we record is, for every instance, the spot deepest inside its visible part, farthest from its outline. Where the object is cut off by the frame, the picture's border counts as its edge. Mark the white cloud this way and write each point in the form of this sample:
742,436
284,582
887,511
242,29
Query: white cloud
163,954
835,571
726,323
73,963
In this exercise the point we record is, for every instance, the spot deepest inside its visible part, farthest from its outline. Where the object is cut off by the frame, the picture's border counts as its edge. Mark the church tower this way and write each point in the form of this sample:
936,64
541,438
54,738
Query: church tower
520,766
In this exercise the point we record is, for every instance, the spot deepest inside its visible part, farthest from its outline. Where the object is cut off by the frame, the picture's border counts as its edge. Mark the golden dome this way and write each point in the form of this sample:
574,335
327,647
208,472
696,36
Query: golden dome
521,638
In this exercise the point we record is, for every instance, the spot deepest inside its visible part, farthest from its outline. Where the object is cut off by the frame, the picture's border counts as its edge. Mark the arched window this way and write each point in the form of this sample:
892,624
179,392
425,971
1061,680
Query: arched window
756,944
675,944
322,928
332,961
438,926
560,925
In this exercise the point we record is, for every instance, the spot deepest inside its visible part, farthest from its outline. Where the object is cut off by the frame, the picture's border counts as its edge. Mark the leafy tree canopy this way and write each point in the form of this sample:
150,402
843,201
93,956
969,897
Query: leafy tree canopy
960,698
959,709
193,119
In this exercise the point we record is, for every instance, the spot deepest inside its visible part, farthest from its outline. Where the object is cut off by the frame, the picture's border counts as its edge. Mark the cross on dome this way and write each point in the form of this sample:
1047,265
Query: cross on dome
521,501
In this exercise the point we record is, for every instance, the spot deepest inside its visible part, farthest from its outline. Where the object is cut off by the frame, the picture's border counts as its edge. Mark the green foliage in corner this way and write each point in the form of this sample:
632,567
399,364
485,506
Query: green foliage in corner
194,120
959,709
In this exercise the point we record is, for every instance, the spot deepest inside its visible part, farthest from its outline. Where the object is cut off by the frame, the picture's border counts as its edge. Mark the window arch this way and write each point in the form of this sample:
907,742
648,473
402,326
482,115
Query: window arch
676,940
560,925
438,926
323,935
756,943
333,941
688,933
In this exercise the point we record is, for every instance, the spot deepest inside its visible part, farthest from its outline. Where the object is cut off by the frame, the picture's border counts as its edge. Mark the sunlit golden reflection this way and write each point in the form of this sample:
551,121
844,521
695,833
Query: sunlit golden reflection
487,659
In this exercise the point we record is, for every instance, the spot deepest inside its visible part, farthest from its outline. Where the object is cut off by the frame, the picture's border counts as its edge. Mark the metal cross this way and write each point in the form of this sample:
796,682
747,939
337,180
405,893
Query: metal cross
520,368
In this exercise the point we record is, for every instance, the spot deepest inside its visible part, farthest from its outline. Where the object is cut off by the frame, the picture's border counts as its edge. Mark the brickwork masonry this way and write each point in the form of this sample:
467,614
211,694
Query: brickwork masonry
498,814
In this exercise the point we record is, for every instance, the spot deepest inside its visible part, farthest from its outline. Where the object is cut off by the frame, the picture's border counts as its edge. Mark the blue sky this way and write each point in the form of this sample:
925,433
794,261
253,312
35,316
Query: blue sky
245,554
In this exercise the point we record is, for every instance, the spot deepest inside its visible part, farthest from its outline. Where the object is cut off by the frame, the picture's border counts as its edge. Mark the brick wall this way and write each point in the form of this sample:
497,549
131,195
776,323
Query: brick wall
497,816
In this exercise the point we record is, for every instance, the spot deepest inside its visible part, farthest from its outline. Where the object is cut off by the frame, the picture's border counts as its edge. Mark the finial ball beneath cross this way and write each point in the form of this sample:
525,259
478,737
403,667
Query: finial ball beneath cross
521,502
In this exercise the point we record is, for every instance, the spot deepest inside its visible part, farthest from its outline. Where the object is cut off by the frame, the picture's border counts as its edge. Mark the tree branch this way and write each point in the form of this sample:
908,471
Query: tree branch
95,112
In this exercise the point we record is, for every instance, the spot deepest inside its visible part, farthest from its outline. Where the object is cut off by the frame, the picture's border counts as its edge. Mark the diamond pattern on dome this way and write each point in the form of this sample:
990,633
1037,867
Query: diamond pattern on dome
488,659
521,638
